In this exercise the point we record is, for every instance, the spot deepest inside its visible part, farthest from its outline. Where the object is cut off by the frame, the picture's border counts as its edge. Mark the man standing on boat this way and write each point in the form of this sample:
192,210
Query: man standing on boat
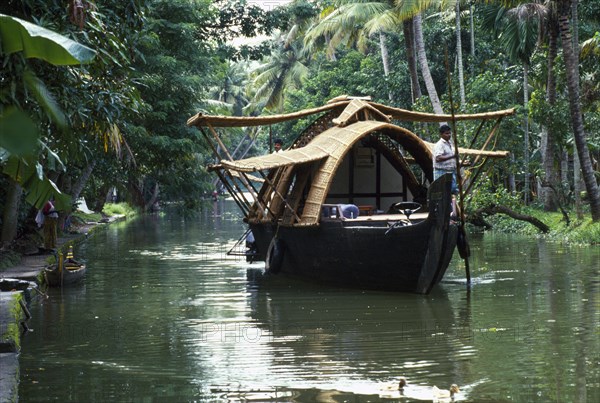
277,145
444,157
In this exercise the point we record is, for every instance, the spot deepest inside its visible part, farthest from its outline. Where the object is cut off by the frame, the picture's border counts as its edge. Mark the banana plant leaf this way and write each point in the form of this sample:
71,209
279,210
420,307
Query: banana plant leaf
29,174
17,35
20,135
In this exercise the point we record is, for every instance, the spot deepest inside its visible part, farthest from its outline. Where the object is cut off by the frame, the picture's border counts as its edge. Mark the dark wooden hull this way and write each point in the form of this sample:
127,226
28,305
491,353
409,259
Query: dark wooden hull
366,254
54,277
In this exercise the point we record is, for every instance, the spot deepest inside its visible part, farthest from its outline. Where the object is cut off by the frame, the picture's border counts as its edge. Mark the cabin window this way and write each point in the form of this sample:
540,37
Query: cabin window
364,157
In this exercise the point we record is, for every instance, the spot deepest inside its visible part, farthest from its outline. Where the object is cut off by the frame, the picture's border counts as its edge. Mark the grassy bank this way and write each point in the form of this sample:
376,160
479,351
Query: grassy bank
576,232
109,210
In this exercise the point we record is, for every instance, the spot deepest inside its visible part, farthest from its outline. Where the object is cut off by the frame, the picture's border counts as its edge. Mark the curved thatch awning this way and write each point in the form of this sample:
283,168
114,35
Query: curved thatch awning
411,116
201,120
281,159
334,141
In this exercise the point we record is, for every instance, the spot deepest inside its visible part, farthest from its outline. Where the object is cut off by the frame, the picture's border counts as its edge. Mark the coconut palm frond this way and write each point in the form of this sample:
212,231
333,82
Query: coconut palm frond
591,46
386,21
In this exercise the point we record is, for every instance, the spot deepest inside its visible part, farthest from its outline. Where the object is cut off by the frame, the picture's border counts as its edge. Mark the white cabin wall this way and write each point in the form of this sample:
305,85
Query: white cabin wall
391,182
365,174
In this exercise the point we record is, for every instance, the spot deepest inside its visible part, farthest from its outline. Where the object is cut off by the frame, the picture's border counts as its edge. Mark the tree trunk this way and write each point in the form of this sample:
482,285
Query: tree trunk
512,183
11,213
576,163
547,196
526,186
577,185
572,69
153,198
409,42
422,57
331,54
135,194
459,55
82,180
472,8
385,59
476,216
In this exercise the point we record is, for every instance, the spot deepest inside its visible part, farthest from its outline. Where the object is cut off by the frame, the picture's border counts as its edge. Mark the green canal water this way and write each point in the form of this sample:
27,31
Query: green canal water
164,315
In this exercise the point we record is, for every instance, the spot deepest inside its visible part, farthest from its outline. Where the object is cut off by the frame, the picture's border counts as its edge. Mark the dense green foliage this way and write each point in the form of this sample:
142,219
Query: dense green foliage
119,122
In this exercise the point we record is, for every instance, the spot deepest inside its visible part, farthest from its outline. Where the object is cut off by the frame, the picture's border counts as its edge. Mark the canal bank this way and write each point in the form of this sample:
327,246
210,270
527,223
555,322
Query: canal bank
14,312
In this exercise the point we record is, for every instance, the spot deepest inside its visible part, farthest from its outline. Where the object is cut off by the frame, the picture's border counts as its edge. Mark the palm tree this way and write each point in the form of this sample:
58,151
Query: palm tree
572,71
353,21
520,30
459,55
284,69
547,195
409,42
230,93
422,57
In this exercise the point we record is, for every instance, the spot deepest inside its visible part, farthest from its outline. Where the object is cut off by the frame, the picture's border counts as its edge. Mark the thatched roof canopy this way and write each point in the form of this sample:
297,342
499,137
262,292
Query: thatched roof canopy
201,120
335,141
280,159
320,150
411,116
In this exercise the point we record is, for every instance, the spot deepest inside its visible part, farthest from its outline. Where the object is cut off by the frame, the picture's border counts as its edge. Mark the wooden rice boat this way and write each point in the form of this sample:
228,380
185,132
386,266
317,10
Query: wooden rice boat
70,274
65,272
344,205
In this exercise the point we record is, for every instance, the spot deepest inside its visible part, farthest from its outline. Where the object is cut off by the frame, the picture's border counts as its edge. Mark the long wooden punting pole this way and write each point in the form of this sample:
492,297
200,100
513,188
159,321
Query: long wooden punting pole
461,229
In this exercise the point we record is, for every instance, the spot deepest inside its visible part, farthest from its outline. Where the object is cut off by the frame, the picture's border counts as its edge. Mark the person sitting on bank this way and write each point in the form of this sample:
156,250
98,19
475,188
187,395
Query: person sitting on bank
444,157
277,144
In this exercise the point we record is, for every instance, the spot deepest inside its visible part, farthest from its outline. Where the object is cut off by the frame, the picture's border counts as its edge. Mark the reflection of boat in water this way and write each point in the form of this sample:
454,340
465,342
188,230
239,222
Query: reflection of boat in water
356,342
371,327
333,208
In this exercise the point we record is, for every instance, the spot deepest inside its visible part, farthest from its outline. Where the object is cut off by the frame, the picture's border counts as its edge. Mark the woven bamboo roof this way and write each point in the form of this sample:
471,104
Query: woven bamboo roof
356,107
411,116
236,174
331,142
320,153
280,159
201,120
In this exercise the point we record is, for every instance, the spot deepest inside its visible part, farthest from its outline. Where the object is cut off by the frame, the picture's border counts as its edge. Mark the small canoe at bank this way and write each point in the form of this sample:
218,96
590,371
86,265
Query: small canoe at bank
71,273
